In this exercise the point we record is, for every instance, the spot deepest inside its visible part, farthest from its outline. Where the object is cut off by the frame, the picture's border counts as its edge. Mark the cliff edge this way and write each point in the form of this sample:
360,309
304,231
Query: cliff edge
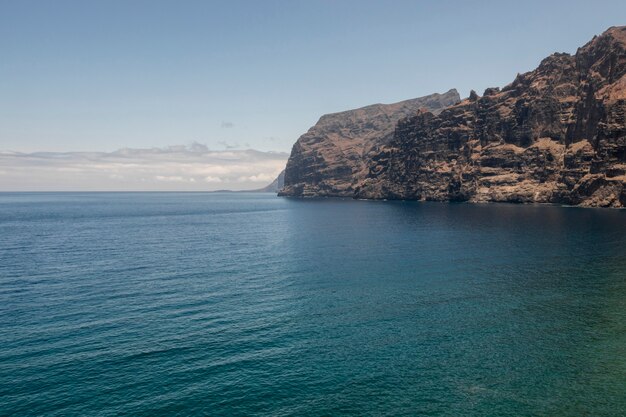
334,155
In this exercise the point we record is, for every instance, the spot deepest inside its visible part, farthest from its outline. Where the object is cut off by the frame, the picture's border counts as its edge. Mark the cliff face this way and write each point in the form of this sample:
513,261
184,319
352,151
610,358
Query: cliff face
333,156
556,135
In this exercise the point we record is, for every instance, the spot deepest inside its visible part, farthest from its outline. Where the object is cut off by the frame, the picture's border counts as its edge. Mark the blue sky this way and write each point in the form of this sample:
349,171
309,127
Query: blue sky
104,75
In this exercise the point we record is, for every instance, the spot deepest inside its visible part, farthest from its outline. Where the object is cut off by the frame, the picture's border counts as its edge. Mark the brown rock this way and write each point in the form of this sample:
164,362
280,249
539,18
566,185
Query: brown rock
334,154
554,135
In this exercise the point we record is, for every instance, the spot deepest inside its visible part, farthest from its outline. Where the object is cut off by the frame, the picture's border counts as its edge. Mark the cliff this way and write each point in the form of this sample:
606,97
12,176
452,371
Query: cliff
554,135
334,155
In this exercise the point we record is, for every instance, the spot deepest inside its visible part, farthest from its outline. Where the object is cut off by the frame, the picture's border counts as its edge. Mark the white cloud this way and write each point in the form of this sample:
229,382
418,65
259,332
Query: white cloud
175,168
172,178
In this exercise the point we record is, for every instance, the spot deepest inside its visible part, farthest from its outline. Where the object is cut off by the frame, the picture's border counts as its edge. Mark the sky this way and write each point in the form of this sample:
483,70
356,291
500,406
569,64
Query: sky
100,76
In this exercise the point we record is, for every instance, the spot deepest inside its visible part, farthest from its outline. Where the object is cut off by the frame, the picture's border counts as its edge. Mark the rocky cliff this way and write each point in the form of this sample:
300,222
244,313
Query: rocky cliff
554,135
334,155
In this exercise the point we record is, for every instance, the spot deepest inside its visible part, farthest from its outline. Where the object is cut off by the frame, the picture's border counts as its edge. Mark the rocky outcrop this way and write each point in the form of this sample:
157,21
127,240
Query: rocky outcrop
554,135
334,155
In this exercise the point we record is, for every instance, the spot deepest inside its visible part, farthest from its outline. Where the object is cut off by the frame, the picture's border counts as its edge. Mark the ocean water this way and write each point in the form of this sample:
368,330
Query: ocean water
150,304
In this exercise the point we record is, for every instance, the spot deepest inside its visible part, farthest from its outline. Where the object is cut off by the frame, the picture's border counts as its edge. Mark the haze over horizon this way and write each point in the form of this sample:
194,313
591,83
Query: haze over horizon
101,77
193,167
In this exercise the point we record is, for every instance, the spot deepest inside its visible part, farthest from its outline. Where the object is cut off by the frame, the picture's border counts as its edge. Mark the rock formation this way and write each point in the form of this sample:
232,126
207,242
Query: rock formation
333,156
554,135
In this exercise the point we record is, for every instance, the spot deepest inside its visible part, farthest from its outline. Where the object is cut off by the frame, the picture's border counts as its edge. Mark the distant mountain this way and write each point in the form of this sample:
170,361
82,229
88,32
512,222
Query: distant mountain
276,185
273,187
333,156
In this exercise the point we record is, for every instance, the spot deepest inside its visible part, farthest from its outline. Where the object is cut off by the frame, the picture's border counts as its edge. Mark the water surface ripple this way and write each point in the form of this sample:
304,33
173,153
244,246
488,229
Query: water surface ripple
152,304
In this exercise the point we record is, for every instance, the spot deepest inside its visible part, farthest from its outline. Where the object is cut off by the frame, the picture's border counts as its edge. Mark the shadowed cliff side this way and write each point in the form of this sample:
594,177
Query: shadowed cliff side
554,135
333,156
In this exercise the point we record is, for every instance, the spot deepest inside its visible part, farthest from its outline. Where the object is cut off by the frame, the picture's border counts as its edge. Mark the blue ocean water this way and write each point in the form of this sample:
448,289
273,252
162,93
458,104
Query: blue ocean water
151,304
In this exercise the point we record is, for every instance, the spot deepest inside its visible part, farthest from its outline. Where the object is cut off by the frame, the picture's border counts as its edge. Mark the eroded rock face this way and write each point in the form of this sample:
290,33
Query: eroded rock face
333,156
554,135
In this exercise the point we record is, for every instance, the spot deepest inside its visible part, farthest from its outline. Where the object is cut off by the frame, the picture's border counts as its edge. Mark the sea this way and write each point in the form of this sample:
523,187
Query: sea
243,304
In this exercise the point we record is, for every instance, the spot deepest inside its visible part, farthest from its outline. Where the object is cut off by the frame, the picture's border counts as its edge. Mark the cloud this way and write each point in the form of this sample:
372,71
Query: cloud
228,145
227,125
175,168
